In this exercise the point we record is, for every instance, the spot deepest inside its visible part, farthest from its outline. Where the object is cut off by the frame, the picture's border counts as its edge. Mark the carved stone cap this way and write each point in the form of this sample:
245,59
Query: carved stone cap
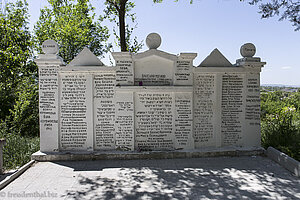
50,47
153,40
188,55
86,58
248,50
121,55
215,59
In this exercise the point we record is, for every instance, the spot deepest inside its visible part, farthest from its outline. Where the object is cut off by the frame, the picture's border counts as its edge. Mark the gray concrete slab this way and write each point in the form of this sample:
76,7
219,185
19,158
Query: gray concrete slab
253,177
127,155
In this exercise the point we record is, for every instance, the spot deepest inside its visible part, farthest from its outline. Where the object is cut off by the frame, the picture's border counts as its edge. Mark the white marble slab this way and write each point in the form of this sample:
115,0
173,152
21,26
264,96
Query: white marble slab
104,110
76,113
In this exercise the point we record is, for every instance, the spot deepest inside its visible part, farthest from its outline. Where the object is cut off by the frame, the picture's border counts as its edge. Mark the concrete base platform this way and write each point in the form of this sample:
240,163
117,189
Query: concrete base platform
234,178
125,155
284,160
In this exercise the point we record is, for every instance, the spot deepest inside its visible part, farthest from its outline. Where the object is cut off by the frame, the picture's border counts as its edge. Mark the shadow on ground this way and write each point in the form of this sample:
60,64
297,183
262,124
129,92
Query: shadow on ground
205,178
6,174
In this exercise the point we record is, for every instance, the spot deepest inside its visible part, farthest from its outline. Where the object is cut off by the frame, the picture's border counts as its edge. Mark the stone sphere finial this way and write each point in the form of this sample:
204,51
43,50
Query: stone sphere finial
153,41
248,50
50,47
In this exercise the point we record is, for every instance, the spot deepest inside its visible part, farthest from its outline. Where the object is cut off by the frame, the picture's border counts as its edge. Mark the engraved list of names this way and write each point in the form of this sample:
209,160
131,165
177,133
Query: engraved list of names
74,122
154,121
204,94
48,98
232,109
104,110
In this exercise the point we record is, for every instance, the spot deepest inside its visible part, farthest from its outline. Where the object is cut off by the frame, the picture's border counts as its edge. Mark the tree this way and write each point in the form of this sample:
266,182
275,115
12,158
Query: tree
16,55
72,25
117,11
25,113
18,86
286,9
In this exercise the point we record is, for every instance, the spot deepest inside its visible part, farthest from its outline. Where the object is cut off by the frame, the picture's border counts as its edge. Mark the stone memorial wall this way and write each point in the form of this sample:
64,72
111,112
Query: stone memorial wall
149,101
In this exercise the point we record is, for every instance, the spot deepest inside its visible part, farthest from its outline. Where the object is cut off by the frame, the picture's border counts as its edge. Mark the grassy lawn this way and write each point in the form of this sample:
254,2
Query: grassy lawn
18,150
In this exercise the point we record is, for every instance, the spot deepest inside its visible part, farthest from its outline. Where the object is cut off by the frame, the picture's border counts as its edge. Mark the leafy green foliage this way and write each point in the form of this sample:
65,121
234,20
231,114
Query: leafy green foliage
281,121
25,114
274,102
72,25
286,9
15,54
18,87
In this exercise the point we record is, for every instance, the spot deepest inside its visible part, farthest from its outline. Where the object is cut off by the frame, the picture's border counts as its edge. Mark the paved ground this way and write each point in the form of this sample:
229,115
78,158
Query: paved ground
198,178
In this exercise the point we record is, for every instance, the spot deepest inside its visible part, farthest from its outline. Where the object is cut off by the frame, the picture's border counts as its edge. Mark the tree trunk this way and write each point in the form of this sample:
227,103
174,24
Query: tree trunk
122,25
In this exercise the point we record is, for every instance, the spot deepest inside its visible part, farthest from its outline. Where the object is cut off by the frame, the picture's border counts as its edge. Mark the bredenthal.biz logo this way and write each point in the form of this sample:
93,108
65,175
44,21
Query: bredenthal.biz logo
13,195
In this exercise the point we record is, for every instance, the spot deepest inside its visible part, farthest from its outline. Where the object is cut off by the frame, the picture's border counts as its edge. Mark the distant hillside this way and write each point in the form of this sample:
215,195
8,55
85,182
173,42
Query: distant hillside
280,85
275,87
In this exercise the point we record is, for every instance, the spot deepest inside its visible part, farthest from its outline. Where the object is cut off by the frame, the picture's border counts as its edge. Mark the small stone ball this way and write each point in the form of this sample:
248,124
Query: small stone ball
153,41
248,50
50,47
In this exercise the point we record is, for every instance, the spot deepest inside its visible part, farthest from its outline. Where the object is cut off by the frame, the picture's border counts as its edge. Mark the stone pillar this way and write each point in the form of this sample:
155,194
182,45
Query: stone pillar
252,67
183,73
49,65
2,143
125,68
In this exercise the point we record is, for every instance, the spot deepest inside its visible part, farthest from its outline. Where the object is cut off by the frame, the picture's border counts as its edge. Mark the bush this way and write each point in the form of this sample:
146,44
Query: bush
25,114
18,149
21,127
281,131
280,121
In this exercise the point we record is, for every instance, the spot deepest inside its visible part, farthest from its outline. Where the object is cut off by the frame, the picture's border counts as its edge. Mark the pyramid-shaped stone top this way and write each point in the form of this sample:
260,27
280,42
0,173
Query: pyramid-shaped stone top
215,59
86,58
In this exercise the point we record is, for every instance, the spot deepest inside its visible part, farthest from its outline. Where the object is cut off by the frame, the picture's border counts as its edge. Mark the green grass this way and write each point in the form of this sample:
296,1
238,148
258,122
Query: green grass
18,149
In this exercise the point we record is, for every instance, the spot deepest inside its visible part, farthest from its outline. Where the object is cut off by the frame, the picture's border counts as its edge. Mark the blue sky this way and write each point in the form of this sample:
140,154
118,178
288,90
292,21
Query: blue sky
209,24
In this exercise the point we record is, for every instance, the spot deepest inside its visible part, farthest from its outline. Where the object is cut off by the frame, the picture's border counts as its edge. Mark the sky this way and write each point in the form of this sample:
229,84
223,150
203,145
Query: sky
208,24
